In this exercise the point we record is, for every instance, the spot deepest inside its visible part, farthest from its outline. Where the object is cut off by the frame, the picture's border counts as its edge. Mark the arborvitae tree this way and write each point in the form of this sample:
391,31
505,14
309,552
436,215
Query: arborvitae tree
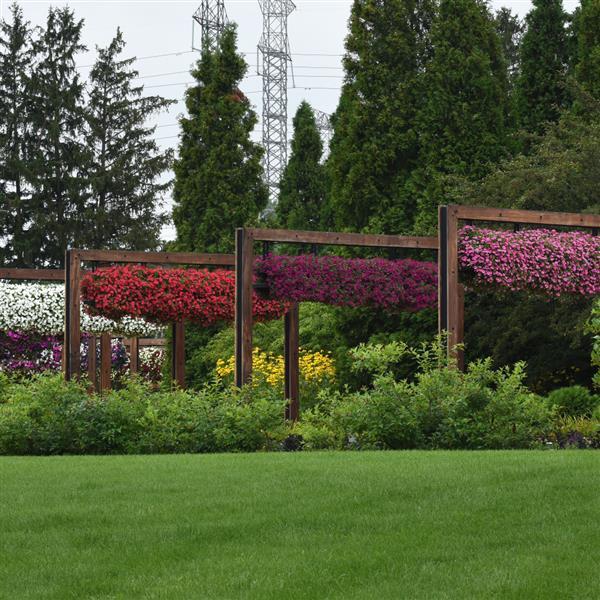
59,155
125,162
16,58
540,90
588,35
302,189
218,174
510,29
462,121
374,146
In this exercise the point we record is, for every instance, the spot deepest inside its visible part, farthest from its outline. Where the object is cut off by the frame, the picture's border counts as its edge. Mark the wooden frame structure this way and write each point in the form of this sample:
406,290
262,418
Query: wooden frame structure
72,278
244,270
451,310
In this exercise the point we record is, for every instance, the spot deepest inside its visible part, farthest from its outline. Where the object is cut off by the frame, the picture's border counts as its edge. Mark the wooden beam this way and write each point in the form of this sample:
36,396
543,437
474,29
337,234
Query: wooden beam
134,355
172,258
452,281
443,270
244,254
33,274
506,215
72,315
343,239
292,361
460,327
105,362
178,357
91,362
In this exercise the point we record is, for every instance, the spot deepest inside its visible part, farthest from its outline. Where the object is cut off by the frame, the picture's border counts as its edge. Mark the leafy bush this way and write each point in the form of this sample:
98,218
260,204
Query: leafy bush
48,416
574,401
576,432
594,329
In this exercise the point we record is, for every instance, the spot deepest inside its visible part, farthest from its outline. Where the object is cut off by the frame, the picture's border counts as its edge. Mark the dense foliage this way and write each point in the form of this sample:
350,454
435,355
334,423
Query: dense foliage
168,295
541,260
218,174
594,328
379,283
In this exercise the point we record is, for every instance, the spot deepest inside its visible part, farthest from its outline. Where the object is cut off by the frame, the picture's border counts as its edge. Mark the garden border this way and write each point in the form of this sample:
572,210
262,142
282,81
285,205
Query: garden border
451,310
244,270
71,347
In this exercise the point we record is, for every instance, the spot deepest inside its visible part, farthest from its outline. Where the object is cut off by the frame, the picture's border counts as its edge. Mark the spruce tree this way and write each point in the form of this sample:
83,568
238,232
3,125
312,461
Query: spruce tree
588,46
218,173
124,162
59,155
16,59
510,29
374,146
302,188
462,122
540,88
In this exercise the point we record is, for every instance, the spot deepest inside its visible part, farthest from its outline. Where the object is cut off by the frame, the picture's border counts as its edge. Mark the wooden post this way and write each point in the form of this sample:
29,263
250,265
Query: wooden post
91,362
105,362
178,355
460,327
72,338
452,279
244,270
134,355
443,269
292,364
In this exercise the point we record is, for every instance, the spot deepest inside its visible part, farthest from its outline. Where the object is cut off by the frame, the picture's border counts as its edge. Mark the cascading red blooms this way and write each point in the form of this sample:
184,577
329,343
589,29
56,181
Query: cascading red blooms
168,295
387,284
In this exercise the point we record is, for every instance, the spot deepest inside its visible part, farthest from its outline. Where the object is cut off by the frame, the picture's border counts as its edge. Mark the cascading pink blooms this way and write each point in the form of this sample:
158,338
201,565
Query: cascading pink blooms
387,284
540,260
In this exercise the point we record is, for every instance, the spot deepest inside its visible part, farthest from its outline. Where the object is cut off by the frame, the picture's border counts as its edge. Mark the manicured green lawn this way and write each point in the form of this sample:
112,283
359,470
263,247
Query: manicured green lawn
324,525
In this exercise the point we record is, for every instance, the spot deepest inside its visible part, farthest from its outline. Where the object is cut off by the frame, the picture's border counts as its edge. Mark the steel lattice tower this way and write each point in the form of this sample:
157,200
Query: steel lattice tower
212,18
325,128
275,50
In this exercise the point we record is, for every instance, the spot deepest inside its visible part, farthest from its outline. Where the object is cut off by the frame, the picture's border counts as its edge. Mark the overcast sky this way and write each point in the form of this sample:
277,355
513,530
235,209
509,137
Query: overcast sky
164,27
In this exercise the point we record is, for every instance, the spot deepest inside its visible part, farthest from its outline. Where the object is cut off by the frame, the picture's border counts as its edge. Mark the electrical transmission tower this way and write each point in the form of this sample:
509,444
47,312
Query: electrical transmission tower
212,19
325,128
274,48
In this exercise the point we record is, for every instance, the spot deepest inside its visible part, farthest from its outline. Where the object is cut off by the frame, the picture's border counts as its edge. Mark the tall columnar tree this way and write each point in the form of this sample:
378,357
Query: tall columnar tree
16,60
125,163
59,155
540,88
374,146
588,37
462,120
510,29
218,174
302,189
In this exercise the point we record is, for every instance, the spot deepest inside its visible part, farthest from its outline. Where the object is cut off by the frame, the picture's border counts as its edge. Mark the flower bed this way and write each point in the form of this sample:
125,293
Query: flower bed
40,308
540,260
377,282
168,295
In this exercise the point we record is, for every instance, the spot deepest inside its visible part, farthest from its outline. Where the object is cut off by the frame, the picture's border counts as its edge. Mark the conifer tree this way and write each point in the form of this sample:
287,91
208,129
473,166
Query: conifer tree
510,29
374,146
59,155
540,88
462,121
588,47
124,162
218,173
16,59
302,189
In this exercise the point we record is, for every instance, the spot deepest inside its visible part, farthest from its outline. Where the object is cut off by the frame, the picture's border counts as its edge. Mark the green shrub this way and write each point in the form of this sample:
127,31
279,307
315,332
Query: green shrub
575,432
573,401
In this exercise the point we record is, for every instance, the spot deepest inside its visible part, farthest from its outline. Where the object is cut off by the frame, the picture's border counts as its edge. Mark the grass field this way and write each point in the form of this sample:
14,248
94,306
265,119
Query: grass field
325,525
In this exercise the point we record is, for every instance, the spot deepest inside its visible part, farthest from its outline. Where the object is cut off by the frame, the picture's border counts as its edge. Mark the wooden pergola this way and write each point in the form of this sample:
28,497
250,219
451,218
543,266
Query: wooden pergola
451,308
72,278
244,269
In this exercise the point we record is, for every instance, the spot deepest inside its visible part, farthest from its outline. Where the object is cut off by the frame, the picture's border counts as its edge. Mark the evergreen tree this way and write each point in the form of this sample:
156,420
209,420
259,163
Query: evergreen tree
541,92
374,146
16,59
59,155
218,174
302,189
588,37
510,29
125,161
462,121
